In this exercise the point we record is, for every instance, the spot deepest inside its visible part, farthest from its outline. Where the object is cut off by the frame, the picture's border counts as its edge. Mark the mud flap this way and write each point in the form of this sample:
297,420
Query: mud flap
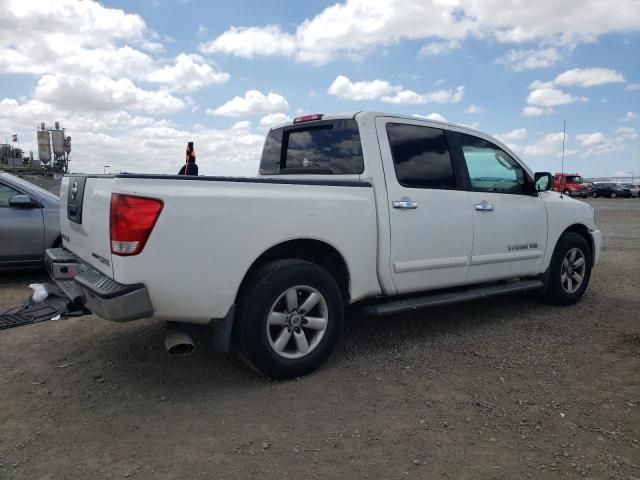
56,306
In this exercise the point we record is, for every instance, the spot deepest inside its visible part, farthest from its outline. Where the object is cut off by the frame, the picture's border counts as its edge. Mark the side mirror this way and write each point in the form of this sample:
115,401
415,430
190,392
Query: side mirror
21,201
543,181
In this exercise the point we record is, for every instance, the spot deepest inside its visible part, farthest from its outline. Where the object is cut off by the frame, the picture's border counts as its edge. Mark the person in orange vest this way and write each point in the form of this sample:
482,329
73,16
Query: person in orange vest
189,167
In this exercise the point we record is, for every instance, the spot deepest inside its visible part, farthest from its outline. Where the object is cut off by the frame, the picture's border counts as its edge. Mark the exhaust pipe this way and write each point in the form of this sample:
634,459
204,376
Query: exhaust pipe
178,342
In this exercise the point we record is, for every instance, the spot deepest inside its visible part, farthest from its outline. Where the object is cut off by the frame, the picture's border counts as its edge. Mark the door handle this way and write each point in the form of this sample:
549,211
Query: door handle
405,204
484,206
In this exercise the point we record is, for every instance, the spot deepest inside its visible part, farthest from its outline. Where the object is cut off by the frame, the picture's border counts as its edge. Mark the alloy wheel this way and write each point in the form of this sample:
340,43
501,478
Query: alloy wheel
297,322
573,270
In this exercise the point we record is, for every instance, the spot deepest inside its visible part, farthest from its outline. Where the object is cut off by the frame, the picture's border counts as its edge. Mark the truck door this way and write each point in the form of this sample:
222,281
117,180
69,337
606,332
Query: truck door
431,225
510,222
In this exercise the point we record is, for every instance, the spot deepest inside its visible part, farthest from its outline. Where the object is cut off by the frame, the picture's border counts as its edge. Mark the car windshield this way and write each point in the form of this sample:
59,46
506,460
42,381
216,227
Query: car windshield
574,179
30,187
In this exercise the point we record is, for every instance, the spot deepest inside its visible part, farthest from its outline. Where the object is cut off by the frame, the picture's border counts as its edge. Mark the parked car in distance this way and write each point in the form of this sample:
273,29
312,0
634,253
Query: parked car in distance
381,212
611,190
634,189
29,222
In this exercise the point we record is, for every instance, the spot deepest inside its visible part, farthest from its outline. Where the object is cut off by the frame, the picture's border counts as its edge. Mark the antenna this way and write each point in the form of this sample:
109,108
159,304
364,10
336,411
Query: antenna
563,180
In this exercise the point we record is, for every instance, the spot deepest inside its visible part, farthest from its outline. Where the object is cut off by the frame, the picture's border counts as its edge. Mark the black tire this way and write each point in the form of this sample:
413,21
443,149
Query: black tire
567,192
613,195
556,292
595,195
254,307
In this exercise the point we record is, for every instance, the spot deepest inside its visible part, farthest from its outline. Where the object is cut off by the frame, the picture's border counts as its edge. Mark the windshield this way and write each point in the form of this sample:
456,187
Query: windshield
30,187
574,179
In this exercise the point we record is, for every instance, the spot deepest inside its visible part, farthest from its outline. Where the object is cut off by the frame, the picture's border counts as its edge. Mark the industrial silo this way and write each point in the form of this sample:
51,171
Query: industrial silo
44,145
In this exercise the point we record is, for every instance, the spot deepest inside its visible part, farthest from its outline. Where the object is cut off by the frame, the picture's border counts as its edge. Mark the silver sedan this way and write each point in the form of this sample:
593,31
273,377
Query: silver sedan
29,222
635,189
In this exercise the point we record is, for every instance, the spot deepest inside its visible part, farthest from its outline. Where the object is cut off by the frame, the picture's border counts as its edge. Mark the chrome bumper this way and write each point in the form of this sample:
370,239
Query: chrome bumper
102,295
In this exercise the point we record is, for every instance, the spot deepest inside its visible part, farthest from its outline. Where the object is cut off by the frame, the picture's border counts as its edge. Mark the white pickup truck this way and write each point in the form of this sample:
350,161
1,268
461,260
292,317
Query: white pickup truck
384,212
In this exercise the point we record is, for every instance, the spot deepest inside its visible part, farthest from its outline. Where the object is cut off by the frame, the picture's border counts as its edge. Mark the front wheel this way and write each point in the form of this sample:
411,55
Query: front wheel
613,195
567,193
290,316
570,269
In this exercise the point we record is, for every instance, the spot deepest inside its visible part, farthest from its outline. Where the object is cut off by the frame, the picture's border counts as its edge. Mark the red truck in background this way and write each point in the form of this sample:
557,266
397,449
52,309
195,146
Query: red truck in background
571,184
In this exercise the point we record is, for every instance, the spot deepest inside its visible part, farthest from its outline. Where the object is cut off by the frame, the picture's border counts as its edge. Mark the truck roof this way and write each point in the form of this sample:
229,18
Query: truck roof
436,123
361,113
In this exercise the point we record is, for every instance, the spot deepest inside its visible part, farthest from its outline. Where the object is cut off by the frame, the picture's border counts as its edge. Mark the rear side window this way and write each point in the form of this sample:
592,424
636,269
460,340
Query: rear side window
420,156
328,148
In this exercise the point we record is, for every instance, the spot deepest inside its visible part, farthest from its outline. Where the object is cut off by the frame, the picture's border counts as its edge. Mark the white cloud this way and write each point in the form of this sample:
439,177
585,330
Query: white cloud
142,143
517,134
590,139
431,116
596,143
405,97
274,119
630,117
626,133
98,92
544,95
357,26
473,108
382,90
548,145
519,60
188,73
588,77
565,22
249,42
254,102
549,97
438,48
530,111
342,87
39,37
632,86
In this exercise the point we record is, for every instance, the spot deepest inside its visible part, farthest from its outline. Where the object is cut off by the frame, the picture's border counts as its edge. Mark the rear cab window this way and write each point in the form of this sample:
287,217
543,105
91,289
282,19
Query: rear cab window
330,147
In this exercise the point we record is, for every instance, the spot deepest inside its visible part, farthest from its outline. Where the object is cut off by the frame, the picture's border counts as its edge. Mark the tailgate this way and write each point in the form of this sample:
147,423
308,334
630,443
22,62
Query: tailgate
84,218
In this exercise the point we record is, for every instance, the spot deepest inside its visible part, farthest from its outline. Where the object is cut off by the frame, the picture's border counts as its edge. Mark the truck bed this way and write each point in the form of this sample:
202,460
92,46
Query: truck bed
212,229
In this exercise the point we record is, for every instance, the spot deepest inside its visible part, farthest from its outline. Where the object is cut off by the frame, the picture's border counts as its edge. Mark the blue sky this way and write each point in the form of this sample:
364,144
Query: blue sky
132,81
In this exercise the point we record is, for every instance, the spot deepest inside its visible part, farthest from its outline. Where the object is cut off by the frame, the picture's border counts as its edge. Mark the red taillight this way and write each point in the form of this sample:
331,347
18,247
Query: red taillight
308,118
131,221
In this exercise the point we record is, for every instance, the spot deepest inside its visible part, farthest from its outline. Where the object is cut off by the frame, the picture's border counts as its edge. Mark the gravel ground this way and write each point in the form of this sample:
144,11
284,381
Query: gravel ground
509,388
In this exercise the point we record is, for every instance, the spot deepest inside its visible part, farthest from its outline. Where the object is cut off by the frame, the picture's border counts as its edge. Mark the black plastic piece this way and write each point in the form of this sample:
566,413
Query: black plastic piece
404,305
104,287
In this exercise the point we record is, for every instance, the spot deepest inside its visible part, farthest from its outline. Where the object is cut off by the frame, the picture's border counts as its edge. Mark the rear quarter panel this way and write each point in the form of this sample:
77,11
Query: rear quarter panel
210,232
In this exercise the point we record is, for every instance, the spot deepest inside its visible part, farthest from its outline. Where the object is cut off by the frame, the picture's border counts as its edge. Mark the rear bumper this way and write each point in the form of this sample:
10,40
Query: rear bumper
95,291
596,238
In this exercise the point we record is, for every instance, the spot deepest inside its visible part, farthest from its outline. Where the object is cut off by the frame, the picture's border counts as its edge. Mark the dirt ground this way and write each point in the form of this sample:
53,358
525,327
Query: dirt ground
500,389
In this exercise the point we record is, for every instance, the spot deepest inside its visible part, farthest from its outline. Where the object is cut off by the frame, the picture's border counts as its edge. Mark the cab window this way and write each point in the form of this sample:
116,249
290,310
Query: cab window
420,156
331,147
490,168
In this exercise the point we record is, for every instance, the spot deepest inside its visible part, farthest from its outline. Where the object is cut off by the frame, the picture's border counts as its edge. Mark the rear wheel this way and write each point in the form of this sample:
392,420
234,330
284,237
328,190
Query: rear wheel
289,318
613,195
570,269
